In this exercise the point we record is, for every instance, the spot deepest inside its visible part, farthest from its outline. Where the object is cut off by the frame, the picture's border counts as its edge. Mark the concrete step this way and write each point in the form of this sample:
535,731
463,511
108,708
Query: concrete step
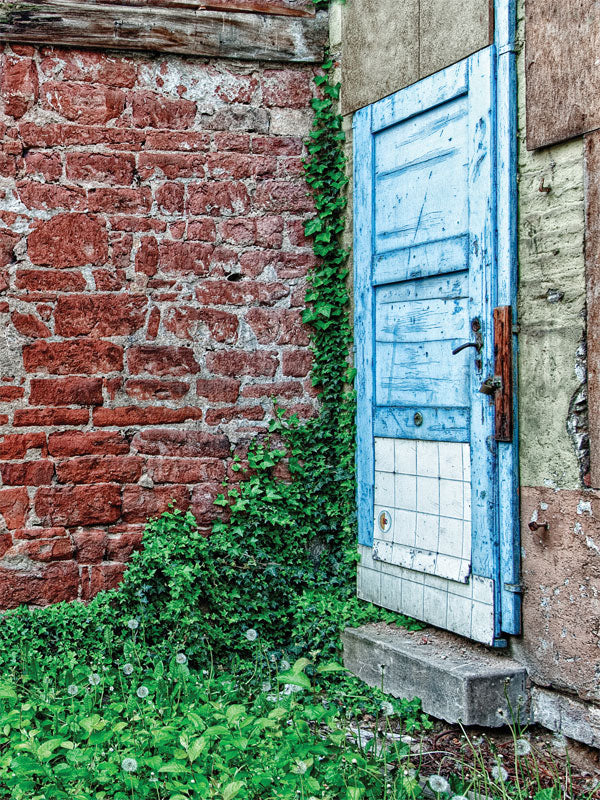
457,680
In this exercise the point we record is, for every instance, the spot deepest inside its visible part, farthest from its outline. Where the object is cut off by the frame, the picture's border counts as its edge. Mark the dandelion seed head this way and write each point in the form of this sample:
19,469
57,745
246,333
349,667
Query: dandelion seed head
522,747
142,692
285,665
129,765
251,635
301,767
72,689
133,624
499,773
181,658
438,784
387,708
266,686
127,669
94,679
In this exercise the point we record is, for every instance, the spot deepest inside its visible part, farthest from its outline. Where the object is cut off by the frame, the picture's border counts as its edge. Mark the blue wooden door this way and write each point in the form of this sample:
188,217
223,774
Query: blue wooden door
425,285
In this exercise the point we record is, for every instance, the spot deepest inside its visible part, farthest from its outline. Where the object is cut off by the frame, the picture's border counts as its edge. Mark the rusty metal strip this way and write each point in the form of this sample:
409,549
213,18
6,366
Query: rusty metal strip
503,368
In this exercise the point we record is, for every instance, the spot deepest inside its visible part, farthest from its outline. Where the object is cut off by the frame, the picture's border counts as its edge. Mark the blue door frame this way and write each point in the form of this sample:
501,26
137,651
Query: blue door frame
496,551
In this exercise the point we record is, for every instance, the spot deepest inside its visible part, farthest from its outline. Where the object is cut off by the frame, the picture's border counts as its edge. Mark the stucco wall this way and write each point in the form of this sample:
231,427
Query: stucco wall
561,567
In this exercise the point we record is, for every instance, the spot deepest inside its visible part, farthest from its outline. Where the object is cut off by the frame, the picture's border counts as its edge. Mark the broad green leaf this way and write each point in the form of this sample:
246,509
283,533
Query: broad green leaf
232,789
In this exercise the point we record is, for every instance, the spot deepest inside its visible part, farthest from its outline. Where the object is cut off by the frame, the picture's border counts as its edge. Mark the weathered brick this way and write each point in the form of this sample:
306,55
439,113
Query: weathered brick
240,166
276,389
185,257
8,241
77,443
152,415
16,446
219,416
203,502
14,505
183,322
68,240
100,168
9,393
90,105
19,85
171,165
47,165
99,315
120,546
102,578
188,141
151,110
224,198
296,363
146,259
170,198
27,473
185,470
232,363
183,444
242,293
43,550
50,197
49,280
100,469
238,231
139,504
162,360
122,201
280,196
236,142
86,356
286,88
39,533
219,390
66,391
152,389
90,546
90,67
65,135
57,582
78,505
48,417
278,145
29,325
281,326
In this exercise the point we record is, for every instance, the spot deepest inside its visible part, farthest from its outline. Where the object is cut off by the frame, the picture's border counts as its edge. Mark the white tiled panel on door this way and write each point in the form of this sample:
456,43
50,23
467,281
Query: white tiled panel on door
420,562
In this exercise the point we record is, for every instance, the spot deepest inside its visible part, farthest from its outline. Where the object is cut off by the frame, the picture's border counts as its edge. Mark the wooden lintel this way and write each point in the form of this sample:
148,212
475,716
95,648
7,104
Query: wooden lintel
288,8
208,34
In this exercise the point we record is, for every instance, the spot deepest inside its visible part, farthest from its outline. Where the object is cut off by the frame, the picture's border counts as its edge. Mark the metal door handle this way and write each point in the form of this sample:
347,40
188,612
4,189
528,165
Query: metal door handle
464,346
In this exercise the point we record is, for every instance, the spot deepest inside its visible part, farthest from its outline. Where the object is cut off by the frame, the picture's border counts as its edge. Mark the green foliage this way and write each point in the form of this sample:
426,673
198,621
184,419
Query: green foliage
158,730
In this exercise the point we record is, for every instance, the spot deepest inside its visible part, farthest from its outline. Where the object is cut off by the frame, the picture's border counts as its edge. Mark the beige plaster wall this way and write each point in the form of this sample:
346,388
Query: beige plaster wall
551,301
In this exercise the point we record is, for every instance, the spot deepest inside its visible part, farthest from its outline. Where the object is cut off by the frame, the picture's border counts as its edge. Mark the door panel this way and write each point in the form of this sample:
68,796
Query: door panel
425,284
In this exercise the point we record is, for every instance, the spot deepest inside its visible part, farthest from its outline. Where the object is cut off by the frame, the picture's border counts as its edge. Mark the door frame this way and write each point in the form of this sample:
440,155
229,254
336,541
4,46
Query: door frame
507,551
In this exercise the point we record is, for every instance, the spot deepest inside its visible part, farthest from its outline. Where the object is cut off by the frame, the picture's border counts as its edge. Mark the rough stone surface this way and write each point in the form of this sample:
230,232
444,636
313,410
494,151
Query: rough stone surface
567,716
152,277
457,681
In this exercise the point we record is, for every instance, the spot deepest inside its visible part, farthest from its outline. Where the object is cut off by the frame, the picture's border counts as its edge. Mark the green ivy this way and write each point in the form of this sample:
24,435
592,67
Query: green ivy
282,559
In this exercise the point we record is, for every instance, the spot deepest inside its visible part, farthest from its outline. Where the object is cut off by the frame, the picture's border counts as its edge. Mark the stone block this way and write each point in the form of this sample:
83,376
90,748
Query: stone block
566,715
456,680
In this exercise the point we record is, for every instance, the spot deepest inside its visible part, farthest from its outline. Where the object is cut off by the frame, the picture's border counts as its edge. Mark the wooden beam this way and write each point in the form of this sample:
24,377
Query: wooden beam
288,8
208,34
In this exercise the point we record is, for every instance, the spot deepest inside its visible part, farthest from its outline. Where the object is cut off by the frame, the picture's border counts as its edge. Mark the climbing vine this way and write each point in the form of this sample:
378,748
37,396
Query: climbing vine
281,560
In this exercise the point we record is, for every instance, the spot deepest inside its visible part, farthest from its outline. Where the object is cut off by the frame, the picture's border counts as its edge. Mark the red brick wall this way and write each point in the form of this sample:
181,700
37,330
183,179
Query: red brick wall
152,269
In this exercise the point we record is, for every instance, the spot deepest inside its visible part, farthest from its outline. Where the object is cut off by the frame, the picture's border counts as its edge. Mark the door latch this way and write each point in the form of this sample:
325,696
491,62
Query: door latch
491,385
